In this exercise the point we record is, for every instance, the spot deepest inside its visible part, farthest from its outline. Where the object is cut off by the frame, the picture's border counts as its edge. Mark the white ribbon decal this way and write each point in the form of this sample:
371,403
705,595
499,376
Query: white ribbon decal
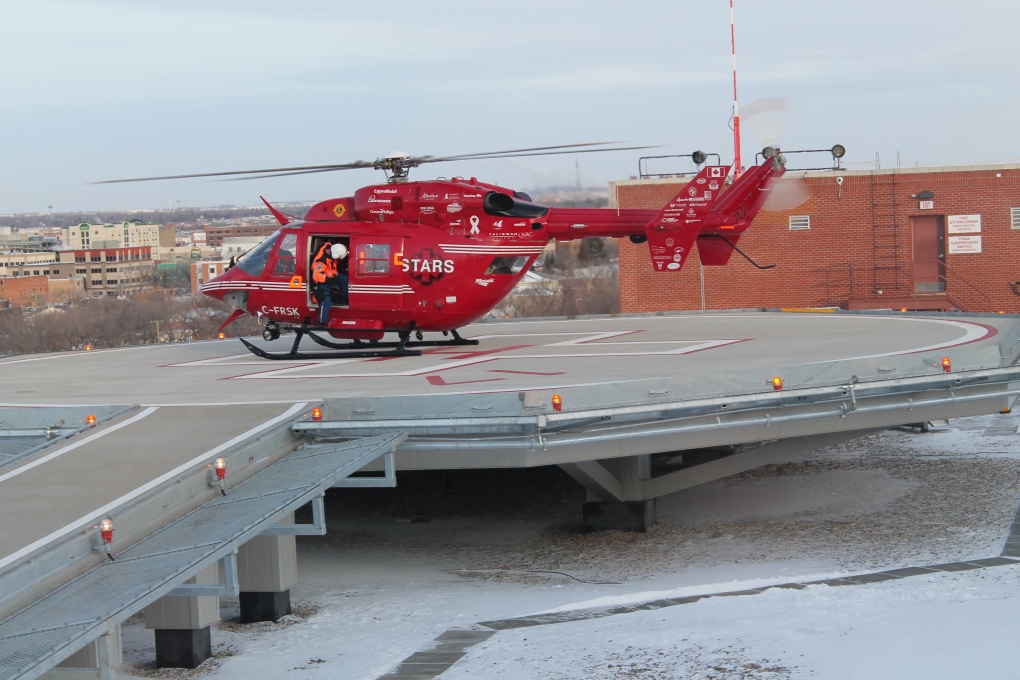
474,224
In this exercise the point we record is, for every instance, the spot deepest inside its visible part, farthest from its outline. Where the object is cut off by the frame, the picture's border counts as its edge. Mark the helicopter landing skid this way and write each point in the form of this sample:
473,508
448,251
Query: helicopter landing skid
455,341
359,349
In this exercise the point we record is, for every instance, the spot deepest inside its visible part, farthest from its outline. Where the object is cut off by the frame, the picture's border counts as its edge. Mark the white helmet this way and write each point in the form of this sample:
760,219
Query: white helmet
338,251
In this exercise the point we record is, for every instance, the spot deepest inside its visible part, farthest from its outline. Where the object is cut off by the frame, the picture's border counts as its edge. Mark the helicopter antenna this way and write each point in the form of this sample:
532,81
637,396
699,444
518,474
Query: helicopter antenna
736,113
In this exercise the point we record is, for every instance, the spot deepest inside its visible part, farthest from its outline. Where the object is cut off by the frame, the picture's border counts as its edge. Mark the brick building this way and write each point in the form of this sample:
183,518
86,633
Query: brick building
108,272
214,235
24,291
921,239
204,271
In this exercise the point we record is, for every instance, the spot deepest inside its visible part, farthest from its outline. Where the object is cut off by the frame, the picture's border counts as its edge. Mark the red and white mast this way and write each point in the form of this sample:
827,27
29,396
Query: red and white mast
736,114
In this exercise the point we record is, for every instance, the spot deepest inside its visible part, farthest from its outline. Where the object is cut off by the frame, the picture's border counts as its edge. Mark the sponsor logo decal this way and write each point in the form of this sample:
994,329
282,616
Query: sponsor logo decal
339,210
428,266
484,282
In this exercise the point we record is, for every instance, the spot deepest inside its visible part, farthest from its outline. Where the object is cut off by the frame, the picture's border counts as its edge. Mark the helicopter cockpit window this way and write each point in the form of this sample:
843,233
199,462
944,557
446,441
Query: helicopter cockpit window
507,265
496,203
254,261
286,262
373,259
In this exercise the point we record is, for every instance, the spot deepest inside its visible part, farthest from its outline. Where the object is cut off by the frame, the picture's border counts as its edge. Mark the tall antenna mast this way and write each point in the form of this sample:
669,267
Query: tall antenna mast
736,113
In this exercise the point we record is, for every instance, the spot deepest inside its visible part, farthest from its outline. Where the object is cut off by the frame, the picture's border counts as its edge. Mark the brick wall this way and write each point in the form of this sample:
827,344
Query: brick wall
24,290
860,241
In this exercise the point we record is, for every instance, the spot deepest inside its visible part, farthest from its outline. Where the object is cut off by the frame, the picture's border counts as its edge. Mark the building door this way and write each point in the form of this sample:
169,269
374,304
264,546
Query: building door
929,241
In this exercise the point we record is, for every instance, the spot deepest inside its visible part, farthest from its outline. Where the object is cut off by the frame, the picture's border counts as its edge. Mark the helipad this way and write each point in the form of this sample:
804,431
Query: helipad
512,356
596,396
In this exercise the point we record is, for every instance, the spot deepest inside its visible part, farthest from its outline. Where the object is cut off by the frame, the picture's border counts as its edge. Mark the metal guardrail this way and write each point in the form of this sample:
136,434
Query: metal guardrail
26,431
681,412
48,631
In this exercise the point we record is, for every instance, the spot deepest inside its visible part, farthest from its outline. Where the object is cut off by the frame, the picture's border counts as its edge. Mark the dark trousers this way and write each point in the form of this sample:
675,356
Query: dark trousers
323,292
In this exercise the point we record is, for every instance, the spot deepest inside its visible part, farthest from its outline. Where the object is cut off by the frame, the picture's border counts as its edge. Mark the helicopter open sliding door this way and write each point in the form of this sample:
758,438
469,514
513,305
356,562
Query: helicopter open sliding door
376,273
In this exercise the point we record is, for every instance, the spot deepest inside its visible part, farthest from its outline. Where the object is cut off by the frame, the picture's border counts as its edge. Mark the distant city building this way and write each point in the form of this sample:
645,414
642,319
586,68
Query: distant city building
112,272
198,239
132,233
20,263
214,235
167,236
25,291
235,246
203,271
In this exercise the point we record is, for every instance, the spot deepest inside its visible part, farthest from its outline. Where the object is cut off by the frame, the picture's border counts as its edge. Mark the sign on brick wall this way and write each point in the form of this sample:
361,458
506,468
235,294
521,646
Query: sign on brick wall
965,224
964,244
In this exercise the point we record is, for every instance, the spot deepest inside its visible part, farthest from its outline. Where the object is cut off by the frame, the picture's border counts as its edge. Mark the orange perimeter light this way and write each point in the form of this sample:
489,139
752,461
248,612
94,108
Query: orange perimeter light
90,420
947,365
903,309
106,531
557,403
88,348
220,336
316,414
777,383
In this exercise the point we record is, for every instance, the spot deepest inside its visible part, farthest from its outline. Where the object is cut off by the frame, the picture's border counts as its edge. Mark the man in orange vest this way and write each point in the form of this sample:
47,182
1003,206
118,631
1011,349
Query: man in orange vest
324,274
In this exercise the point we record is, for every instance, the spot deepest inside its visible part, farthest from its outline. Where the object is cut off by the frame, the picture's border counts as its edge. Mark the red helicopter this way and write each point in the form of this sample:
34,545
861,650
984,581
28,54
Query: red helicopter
433,256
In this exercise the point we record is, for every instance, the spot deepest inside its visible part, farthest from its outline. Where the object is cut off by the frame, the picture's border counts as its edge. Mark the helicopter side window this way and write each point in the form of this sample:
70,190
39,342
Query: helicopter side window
507,265
254,261
286,262
373,259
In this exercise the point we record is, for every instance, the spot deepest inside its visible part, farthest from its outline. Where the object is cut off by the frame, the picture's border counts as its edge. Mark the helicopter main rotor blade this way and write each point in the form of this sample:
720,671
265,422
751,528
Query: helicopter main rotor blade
479,158
409,162
313,168
432,159
557,153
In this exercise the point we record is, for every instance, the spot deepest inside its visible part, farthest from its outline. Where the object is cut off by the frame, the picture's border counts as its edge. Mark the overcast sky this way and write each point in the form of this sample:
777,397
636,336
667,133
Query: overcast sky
93,90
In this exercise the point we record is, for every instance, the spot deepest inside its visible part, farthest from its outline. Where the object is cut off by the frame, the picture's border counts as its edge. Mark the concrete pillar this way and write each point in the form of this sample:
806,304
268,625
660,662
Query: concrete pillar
266,570
629,510
183,636
95,661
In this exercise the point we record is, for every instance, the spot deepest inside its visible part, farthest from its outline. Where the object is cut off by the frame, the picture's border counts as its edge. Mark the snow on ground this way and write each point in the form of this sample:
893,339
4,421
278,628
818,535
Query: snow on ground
444,551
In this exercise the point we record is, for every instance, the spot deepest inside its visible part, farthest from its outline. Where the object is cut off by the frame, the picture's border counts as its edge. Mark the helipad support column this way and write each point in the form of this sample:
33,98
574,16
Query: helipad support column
266,569
96,660
616,498
183,637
